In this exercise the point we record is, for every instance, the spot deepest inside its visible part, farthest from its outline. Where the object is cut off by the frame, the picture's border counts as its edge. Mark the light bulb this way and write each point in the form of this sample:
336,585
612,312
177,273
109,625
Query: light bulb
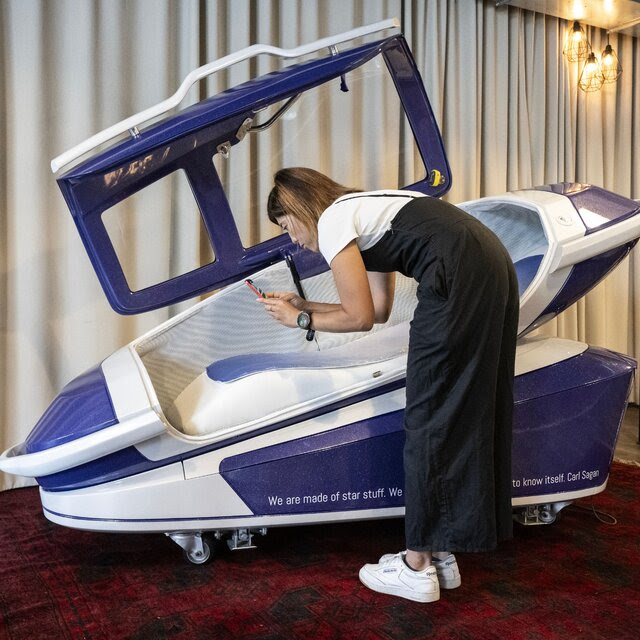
577,46
591,78
611,68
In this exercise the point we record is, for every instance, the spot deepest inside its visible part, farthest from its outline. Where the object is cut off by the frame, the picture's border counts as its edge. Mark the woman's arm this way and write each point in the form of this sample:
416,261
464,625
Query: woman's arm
300,303
382,286
356,311
364,298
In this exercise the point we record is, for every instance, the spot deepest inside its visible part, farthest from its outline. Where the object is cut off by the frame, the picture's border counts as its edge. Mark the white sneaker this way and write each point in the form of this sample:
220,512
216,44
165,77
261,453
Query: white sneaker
448,572
392,575
447,569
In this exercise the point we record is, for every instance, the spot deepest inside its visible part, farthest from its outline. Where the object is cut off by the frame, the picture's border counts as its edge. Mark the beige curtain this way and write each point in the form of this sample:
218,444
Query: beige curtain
512,117
68,68
507,102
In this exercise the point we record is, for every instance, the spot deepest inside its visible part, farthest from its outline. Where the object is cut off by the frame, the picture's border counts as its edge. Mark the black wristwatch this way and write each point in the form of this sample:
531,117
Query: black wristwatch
304,320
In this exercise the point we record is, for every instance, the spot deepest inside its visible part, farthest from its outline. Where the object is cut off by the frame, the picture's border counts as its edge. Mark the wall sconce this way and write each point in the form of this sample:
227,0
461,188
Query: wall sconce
577,47
611,67
591,78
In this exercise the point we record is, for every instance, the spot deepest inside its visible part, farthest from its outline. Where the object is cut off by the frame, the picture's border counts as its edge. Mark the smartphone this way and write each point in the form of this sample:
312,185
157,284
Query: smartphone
253,288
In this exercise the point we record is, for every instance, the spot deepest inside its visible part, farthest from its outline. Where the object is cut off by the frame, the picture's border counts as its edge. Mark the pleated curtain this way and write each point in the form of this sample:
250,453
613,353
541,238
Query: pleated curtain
507,103
512,116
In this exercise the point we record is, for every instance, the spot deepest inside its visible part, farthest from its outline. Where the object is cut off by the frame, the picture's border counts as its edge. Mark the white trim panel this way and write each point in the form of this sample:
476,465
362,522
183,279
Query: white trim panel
77,452
125,383
160,494
597,242
534,353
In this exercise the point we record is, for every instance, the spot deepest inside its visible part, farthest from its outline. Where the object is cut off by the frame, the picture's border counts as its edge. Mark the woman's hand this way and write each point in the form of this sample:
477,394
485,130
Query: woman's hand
283,307
288,296
365,298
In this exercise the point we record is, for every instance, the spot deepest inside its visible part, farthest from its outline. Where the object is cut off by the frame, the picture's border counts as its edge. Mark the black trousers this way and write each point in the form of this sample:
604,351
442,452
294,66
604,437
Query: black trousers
458,417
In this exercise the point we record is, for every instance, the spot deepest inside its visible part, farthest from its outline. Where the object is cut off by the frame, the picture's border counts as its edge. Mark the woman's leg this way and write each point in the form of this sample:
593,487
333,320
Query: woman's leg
419,560
457,418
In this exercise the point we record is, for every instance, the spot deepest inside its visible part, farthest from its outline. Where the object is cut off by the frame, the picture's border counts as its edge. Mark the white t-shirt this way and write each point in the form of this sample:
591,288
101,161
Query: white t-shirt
364,217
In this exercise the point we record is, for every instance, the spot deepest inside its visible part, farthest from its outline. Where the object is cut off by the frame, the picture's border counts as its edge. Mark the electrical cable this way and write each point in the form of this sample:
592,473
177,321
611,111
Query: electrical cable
603,517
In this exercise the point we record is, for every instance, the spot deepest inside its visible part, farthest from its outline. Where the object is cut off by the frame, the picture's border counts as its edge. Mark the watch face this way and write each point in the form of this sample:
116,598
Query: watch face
304,320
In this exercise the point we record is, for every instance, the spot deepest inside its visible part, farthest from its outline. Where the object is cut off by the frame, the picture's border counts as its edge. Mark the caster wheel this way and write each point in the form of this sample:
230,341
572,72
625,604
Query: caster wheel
547,517
199,557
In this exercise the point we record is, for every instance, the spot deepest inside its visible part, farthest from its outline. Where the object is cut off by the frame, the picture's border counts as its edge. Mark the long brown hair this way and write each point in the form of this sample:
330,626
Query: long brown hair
303,193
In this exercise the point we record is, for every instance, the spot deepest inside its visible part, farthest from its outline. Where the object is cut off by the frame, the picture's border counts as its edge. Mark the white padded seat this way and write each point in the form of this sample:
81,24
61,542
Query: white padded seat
250,390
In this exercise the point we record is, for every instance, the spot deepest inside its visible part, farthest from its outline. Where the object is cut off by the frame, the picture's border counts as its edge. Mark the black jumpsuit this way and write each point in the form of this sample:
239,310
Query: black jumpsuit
457,455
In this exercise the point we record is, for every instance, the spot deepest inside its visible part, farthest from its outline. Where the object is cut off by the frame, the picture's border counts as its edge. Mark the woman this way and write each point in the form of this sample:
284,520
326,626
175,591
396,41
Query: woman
457,455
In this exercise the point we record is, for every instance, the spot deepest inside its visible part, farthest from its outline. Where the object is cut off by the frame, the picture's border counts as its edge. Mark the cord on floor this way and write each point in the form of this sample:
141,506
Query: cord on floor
603,517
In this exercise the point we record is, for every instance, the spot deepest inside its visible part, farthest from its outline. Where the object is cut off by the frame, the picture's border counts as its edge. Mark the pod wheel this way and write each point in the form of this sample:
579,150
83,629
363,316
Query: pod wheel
547,516
199,556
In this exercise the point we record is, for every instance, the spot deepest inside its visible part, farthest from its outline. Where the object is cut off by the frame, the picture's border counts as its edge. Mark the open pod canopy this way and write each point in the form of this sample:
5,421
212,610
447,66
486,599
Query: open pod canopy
219,157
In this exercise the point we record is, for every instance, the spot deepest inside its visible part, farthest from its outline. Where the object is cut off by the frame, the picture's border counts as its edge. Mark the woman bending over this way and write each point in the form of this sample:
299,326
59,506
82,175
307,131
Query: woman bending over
460,367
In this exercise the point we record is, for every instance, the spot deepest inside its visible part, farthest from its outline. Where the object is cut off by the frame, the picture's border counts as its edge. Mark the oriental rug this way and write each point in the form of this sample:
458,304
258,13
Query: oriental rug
576,578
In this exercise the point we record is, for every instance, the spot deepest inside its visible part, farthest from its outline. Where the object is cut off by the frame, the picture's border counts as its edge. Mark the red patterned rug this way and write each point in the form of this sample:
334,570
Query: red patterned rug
577,578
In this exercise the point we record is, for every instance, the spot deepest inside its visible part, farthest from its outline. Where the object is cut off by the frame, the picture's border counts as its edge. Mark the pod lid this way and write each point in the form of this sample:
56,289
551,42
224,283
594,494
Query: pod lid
195,143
